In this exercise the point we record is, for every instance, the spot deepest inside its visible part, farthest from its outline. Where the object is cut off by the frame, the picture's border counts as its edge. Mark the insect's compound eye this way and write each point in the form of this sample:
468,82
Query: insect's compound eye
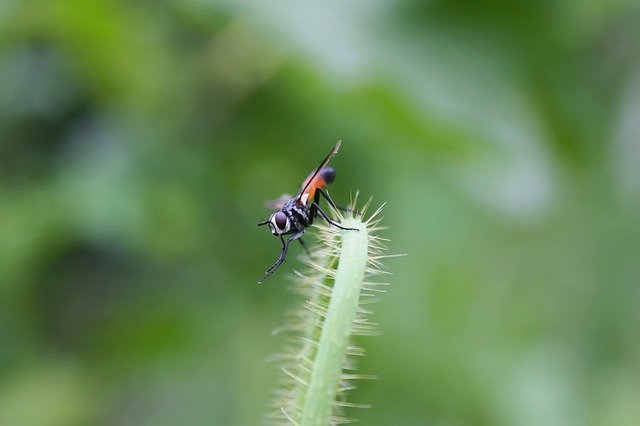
280,221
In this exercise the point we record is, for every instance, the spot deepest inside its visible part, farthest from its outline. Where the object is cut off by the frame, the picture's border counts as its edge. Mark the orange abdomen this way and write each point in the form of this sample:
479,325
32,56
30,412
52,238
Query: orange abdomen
322,179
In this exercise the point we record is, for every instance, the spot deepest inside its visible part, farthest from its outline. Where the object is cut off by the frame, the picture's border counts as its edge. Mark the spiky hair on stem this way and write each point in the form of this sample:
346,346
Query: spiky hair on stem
319,361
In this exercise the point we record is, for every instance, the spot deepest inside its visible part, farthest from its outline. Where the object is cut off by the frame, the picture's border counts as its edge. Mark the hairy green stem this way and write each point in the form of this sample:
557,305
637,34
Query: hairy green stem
319,362
328,364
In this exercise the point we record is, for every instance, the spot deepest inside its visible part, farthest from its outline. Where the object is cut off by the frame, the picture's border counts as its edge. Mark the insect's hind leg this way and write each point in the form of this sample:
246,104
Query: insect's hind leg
334,205
304,246
330,221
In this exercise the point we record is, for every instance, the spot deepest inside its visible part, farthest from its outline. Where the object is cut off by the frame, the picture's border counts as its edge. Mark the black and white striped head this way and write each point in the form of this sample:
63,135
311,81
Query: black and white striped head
278,222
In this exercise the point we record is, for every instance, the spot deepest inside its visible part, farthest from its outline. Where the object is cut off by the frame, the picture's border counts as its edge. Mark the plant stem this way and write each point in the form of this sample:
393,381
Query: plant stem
335,337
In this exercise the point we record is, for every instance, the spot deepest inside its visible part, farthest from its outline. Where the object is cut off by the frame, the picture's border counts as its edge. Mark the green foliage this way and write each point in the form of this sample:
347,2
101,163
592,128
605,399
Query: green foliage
139,140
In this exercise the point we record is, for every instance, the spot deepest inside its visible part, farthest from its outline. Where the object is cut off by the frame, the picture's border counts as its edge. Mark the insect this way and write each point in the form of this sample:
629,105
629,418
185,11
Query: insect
294,214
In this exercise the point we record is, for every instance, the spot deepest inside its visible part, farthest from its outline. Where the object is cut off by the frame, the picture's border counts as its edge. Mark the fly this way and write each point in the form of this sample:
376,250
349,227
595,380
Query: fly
294,214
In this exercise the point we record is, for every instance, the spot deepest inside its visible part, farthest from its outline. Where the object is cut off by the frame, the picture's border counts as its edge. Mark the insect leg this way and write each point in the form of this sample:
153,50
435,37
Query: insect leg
283,254
334,205
304,246
313,208
336,224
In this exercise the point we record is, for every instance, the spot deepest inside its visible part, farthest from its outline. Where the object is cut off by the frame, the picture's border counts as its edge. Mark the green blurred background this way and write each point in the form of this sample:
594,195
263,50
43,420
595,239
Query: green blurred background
139,140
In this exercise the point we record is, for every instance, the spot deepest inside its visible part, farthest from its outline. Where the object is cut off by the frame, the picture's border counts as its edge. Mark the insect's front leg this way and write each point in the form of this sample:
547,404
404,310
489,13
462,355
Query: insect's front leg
283,254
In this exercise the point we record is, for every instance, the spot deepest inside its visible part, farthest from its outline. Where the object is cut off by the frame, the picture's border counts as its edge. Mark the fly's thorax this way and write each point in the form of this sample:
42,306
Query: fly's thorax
298,214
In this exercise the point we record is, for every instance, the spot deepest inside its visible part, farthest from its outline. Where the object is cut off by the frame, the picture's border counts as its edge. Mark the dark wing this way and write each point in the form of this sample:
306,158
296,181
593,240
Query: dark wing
278,203
310,179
